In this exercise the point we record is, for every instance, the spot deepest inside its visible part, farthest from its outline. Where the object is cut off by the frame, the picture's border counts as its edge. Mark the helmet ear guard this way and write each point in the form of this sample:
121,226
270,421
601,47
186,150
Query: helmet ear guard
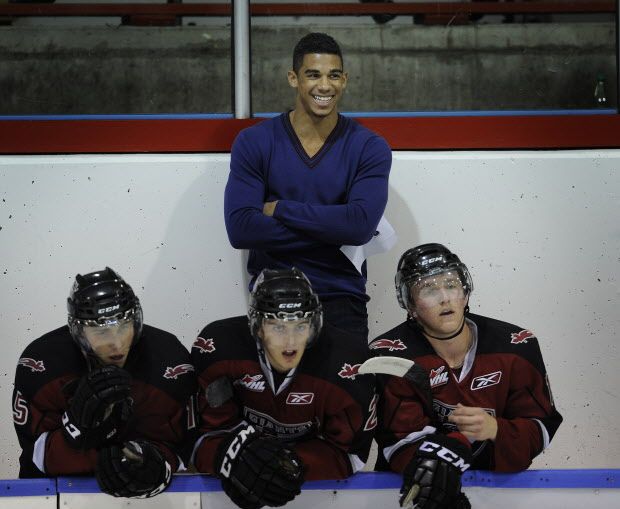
101,299
287,295
423,261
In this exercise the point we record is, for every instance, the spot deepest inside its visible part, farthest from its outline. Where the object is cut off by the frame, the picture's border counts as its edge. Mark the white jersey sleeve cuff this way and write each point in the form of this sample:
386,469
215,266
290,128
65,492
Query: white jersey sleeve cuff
38,453
410,438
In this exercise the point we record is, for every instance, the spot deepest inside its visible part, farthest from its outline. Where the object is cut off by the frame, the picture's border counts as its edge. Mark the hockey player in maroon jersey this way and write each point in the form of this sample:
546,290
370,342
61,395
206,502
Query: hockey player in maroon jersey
478,395
103,395
280,399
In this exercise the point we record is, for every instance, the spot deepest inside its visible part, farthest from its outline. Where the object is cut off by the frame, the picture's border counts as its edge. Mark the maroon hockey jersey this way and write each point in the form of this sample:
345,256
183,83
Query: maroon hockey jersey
503,373
163,380
323,409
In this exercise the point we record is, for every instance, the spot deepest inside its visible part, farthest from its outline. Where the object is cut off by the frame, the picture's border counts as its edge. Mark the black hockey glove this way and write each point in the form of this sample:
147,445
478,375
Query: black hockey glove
257,471
136,469
99,408
432,480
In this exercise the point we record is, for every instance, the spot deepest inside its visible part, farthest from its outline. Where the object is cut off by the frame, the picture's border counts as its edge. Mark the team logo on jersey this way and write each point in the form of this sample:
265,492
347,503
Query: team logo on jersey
34,365
484,381
349,370
438,376
443,410
204,345
300,398
173,372
390,344
251,382
521,336
268,425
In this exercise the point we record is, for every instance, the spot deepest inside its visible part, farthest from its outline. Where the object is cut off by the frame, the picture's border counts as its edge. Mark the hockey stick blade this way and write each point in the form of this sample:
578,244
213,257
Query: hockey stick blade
396,366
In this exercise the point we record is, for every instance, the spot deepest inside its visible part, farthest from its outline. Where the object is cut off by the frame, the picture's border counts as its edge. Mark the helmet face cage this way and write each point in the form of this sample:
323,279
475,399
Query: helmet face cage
284,295
101,299
424,261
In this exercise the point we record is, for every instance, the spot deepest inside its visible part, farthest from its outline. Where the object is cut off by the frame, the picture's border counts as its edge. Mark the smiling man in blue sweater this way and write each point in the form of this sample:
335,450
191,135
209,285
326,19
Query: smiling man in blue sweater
309,181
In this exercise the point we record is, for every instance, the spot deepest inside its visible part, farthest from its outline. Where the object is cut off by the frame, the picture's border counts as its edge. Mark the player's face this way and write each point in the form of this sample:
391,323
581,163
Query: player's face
111,344
320,82
438,303
285,342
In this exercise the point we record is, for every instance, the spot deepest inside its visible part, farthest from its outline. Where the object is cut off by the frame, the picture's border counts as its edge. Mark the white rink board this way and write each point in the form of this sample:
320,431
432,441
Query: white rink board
29,502
539,231
480,498
549,489
166,500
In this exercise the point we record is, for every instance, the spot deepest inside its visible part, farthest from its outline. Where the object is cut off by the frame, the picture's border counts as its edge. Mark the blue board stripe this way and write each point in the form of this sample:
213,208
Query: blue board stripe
27,487
530,479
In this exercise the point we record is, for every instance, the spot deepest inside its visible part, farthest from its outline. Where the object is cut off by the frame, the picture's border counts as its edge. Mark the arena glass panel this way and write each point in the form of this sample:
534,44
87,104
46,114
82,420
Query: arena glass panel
178,62
451,62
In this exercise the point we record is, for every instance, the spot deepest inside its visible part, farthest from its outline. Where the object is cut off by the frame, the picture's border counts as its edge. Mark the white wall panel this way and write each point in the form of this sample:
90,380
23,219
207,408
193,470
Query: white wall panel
539,231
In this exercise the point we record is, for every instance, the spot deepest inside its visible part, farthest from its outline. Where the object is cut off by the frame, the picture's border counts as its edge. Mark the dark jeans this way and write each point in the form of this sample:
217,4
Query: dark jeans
347,314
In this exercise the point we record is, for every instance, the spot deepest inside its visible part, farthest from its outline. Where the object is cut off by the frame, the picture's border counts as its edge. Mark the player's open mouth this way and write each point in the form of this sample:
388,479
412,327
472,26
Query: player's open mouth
289,354
115,358
323,100
446,312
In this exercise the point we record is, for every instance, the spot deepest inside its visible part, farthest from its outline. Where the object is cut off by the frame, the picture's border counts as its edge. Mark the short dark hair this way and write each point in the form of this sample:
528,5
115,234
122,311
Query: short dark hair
315,42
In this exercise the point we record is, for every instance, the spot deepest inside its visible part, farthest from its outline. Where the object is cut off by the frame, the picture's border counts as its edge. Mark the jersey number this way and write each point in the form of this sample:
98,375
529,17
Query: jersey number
20,409
371,422
191,413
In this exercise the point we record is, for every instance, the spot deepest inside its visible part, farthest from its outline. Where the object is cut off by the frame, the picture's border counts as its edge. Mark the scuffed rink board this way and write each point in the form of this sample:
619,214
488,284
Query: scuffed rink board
84,493
549,489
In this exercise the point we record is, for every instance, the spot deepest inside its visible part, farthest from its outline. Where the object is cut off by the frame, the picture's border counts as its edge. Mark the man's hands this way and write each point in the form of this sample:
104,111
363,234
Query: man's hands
269,208
432,480
474,422
136,469
99,408
257,471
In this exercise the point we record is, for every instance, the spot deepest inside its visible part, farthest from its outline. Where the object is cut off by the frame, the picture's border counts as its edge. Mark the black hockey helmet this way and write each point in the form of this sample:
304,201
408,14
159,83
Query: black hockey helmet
99,299
284,294
427,260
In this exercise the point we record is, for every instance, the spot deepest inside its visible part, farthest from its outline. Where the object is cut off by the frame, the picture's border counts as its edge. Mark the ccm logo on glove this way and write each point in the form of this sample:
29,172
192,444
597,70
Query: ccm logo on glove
234,448
445,454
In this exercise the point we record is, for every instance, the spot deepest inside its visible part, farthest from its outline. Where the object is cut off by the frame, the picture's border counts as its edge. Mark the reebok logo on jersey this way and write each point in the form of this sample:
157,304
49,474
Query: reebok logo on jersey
484,381
521,337
349,371
204,345
176,371
438,376
27,362
300,398
390,344
251,382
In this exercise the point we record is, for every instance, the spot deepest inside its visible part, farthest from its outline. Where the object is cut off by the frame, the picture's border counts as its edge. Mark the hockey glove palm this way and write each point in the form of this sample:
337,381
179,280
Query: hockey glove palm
432,480
99,408
257,471
137,470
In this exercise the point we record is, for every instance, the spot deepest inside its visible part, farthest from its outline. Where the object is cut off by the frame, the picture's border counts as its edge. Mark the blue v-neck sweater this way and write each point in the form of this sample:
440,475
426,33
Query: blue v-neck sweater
332,199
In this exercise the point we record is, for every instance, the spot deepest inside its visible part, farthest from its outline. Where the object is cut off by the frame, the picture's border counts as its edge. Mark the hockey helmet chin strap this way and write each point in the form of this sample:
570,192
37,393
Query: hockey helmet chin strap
419,326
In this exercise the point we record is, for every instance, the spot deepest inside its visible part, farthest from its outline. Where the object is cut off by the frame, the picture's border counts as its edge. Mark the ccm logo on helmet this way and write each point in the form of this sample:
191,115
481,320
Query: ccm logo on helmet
290,305
445,454
431,260
107,310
